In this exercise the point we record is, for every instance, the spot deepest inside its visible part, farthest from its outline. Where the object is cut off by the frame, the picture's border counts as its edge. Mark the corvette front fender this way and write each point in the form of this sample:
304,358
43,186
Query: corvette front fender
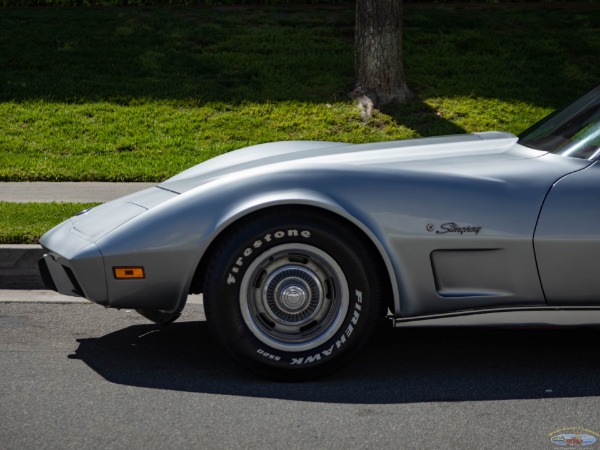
318,200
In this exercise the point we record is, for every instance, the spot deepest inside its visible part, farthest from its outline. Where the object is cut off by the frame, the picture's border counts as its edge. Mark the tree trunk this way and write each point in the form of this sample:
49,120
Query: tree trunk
378,54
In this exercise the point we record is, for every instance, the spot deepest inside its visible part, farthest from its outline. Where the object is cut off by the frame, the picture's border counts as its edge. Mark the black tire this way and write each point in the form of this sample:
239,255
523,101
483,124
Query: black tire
292,294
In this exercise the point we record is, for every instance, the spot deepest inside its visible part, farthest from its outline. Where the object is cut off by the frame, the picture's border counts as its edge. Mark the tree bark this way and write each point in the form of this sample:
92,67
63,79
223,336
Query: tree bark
378,54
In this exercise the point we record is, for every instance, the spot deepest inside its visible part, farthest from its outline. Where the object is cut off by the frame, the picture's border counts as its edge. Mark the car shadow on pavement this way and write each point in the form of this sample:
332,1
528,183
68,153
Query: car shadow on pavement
397,366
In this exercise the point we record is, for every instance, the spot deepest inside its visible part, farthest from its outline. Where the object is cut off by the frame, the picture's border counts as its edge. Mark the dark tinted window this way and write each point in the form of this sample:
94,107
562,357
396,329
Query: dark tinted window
571,131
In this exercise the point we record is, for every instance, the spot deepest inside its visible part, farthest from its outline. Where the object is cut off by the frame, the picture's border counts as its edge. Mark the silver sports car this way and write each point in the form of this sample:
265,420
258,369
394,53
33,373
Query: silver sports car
301,248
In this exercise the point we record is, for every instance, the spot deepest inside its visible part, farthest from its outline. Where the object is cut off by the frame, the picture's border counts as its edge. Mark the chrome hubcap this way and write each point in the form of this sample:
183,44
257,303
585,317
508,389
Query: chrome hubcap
293,293
294,297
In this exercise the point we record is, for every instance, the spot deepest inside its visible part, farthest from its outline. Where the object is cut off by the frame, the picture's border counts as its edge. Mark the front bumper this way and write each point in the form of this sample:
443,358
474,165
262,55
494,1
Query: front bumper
59,278
72,264
78,277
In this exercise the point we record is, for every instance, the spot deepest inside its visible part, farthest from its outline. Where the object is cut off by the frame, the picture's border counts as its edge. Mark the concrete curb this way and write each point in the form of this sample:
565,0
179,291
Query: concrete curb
18,267
50,297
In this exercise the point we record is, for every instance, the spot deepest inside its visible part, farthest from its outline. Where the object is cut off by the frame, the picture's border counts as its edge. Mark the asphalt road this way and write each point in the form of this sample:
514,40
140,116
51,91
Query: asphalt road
76,375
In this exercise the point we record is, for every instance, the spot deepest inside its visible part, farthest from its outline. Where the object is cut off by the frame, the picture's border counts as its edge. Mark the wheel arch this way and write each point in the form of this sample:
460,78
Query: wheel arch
334,212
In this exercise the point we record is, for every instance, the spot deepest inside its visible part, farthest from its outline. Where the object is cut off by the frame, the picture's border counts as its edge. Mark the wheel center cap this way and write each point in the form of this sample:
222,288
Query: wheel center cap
293,298
292,295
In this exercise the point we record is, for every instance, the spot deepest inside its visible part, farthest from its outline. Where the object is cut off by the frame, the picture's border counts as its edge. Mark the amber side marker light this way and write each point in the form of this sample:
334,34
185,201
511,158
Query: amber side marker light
128,273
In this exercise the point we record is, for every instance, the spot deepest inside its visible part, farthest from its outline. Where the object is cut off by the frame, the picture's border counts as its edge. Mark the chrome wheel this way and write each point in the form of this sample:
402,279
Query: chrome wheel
294,297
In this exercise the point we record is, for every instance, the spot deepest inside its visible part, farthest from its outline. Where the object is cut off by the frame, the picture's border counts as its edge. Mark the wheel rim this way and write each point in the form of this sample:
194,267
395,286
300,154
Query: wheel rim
294,297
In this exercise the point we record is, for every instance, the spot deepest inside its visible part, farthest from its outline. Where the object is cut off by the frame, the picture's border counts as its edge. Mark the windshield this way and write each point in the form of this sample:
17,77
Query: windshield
571,131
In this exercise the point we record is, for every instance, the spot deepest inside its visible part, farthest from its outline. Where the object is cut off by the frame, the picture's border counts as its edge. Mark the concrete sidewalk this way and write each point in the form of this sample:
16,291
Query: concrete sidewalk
18,263
72,192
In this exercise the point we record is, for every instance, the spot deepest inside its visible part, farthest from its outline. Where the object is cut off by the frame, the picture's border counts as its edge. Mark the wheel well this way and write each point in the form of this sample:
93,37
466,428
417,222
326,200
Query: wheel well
387,291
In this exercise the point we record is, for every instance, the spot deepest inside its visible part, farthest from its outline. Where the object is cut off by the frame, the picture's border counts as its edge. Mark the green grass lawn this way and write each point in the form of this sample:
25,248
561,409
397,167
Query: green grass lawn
24,223
141,93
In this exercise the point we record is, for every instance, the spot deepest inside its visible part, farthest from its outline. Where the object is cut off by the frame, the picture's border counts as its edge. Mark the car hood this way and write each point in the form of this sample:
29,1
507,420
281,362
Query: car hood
414,153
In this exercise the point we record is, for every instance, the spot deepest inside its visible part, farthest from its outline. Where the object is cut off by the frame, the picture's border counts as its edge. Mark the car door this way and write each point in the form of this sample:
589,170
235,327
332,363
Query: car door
567,239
